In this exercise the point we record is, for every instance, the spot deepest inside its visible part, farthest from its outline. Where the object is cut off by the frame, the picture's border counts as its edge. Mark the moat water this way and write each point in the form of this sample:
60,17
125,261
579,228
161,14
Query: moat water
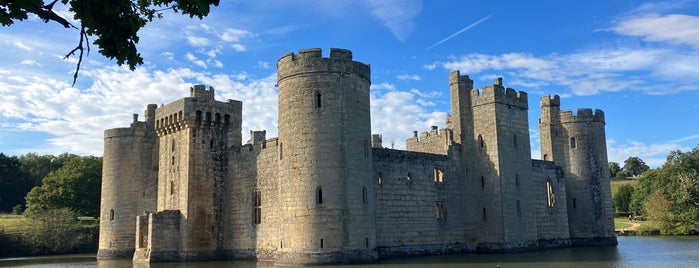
632,251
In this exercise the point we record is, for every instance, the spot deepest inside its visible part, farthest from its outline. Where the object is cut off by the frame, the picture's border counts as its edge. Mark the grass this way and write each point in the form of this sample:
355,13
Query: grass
14,224
616,184
622,223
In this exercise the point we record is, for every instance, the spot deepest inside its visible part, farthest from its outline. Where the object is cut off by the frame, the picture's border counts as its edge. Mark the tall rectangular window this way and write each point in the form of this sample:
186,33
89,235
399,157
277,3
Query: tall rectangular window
440,210
438,175
256,207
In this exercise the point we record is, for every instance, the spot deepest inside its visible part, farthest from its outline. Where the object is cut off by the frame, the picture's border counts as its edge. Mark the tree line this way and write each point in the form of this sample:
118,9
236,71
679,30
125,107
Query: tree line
667,196
34,183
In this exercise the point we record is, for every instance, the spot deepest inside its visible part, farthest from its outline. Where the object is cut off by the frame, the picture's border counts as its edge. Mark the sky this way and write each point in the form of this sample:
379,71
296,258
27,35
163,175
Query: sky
638,61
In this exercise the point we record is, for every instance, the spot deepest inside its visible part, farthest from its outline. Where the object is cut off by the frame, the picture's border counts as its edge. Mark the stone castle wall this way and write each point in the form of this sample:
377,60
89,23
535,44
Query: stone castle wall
325,191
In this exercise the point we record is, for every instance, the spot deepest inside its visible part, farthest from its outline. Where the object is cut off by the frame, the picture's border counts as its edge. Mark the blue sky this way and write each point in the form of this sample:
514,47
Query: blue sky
636,60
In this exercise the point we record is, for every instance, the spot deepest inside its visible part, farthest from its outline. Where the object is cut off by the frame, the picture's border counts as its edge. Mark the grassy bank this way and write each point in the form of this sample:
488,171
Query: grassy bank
50,233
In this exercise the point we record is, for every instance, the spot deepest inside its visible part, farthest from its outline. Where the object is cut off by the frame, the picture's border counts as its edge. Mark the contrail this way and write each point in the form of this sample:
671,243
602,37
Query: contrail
461,31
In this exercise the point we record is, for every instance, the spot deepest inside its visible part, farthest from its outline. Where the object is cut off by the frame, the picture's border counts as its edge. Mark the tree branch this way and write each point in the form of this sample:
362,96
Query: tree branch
79,47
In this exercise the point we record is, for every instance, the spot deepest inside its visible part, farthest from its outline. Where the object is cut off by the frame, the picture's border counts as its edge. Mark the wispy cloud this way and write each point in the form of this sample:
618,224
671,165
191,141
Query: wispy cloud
405,77
397,15
461,31
672,28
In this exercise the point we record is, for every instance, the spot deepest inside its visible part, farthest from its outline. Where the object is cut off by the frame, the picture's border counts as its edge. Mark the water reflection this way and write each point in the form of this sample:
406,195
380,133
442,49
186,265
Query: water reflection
631,252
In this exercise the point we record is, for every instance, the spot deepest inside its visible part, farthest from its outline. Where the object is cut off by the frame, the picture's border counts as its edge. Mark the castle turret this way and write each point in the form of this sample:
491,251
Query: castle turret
129,184
194,135
577,143
498,145
325,172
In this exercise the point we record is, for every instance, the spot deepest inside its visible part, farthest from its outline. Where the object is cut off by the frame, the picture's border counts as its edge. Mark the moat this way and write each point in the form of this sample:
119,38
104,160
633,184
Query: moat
634,251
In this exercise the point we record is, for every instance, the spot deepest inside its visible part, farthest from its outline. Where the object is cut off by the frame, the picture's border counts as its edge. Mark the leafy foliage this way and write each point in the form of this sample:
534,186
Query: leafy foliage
14,184
669,195
622,197
113,23
59,231
634,166
613,169
38,166
76,186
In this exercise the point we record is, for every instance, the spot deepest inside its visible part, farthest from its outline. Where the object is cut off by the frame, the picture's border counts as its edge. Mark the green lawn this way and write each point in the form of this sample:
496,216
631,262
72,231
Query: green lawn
622,223
14,224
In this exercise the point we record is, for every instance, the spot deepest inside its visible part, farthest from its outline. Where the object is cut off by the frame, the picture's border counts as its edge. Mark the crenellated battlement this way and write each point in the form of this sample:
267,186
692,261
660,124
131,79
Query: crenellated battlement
435,141
499,94
310,61
455,78
200,110
200,92
548,101
582,115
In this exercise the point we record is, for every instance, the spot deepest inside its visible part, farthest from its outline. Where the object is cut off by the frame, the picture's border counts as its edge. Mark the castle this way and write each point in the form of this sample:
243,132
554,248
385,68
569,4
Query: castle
181,185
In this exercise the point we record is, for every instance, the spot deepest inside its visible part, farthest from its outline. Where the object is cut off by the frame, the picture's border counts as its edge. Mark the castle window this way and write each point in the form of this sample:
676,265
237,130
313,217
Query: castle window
408,178
173,161
211,144
321,243
546,157
440,210
318,99
572,143
438,175
111,214
173,145
484,215
364,195
172,187
281,150
519,210
574,203
378,179
482,182
319,196
480,141
256,207
551,198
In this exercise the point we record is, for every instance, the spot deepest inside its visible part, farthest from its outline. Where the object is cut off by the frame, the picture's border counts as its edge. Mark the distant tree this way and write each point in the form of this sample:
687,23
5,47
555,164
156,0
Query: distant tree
635,166
55,231
114,24
614,168
619,176
75,186
622,198
659,209
14,184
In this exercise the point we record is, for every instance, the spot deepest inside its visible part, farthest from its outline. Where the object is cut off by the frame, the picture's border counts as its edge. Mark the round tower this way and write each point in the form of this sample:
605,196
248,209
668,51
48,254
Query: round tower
325,173
588,190
129,185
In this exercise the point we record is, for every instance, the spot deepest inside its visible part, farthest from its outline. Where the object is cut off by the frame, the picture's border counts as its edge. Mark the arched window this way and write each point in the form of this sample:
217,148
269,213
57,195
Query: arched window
319,195
572,143
546,157
550,196
480,141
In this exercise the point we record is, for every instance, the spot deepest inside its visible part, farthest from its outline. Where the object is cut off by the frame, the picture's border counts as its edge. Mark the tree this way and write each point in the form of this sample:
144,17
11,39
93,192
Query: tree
75,186
622,198
670,194
614,168
113,23
14,184
38,166
635,166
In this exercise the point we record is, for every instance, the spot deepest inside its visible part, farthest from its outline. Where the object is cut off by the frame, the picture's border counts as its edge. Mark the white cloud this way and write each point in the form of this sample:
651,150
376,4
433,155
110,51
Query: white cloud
197,41
238,47
233,35
29,62
396,114
397,15
653,154
21,45
193,59
263,64
671,28
414,77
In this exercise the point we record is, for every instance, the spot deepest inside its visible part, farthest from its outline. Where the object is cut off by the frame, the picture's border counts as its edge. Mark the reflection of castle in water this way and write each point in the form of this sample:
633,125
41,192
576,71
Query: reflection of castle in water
326,191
